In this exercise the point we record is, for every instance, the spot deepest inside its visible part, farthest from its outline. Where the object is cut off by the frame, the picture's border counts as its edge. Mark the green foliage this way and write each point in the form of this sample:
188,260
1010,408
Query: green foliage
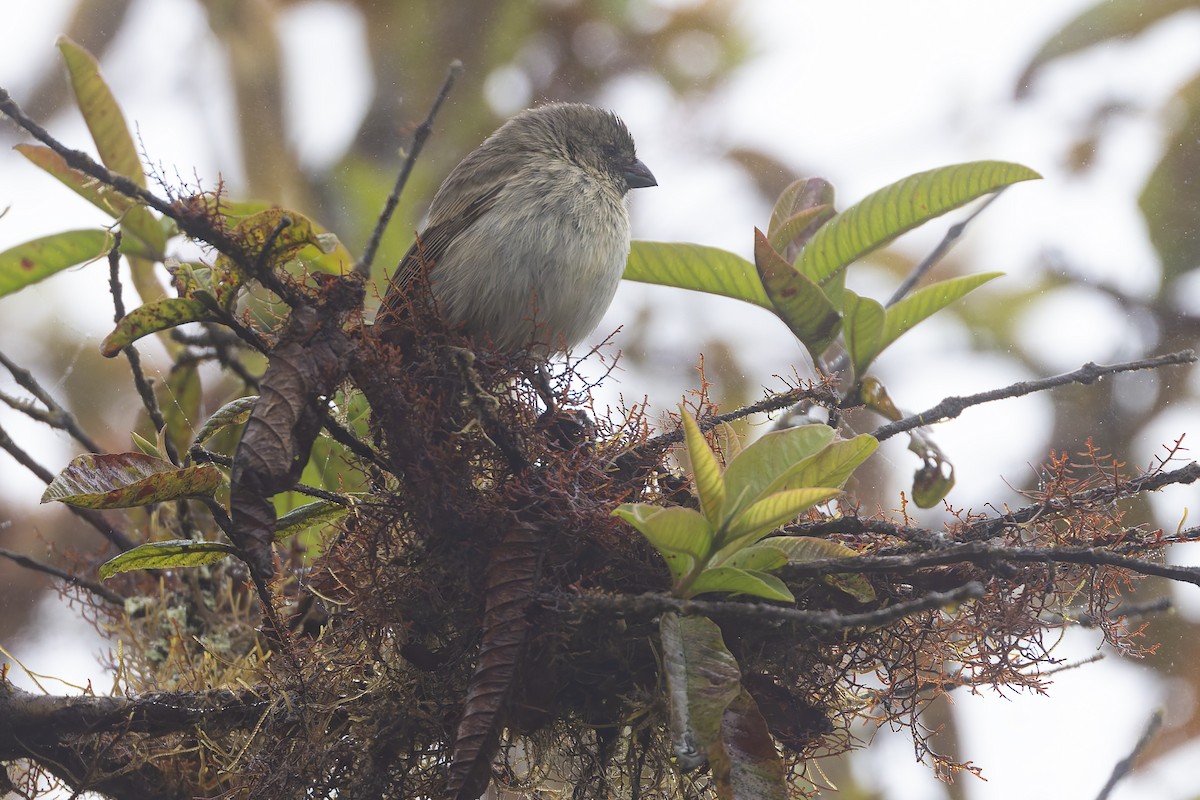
721,548
167,555
808,294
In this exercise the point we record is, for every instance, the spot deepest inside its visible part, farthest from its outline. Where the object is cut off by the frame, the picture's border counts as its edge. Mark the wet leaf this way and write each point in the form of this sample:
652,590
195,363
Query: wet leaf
703,678
151,318
35,260
235,412
167,555
125,480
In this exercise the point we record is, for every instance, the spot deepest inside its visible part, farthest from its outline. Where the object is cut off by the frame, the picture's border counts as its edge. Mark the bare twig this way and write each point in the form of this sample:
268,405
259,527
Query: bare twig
985,554
55,415
819,393
363,267
49,569
951,407
651,604
144,388
1125,765
987,528
953,233
93,518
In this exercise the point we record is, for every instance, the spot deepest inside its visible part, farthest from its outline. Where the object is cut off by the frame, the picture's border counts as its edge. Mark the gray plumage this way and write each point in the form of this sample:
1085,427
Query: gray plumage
528,236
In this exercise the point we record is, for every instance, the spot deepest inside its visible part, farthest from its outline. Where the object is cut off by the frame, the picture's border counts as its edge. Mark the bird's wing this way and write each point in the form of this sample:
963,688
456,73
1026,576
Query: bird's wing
428,249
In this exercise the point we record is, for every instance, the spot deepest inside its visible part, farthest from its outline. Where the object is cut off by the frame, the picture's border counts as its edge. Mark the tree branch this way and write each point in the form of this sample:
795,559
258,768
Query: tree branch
951,407
652,604
363,267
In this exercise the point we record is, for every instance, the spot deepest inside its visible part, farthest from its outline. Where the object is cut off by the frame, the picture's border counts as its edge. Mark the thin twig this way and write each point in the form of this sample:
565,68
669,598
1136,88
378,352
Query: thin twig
819,393
93,518
74,580
200,454
984,554
988,528
953,234
56,416
363,267
144,388
951,407
1125,765
651,604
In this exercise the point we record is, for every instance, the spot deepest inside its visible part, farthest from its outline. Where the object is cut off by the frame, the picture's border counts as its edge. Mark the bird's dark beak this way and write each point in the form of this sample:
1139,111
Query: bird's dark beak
638,176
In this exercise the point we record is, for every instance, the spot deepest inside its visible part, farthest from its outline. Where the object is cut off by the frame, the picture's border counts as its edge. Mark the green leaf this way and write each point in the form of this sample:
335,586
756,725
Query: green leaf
796,300
932,481
180,400
710,487
101,112
32,261
895,209
113,141
925,302
125,480
703,678
235,412
802,549
831,467
165,555
695,267
741,581
300,519
151,318
682,535
761,557
772,511
755,469
862,327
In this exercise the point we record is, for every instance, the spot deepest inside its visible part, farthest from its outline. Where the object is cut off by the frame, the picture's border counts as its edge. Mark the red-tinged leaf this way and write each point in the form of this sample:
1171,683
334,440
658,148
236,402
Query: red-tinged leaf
703,678
745,764
32,261
126,480
167,555
101,112
800,196
151,318
797,229
795,299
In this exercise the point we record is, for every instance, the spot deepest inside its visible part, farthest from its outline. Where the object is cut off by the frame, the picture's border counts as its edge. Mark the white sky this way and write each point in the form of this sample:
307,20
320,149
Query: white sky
867,91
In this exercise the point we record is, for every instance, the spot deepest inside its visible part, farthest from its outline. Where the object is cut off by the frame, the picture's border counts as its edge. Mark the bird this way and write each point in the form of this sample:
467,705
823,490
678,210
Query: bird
527,237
